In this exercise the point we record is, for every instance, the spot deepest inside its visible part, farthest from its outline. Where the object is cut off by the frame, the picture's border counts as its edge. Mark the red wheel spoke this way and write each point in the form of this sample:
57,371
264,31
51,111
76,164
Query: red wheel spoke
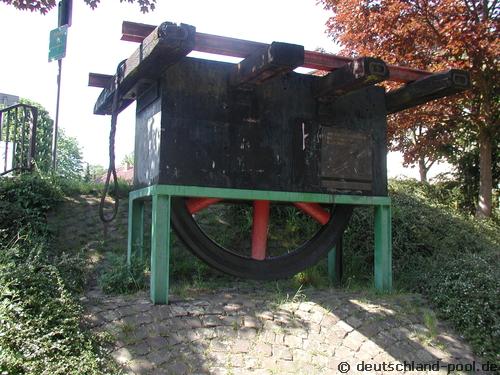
259,229
197,204
314,210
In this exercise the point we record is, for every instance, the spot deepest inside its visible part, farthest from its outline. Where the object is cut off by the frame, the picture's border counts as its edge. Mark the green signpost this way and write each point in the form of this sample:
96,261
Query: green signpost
57,51
57,45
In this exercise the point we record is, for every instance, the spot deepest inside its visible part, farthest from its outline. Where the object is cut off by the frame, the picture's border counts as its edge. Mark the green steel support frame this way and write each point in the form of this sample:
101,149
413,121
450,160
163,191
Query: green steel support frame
160,228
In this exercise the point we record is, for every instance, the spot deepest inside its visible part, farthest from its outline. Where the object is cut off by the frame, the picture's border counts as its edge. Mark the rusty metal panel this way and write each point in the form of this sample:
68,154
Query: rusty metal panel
345,154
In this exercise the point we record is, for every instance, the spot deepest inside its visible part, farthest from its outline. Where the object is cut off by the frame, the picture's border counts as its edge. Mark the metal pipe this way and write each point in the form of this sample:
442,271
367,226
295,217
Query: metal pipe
259,229
221,45
56,122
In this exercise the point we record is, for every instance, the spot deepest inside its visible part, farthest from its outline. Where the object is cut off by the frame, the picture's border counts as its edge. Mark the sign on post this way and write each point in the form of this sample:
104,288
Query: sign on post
57,45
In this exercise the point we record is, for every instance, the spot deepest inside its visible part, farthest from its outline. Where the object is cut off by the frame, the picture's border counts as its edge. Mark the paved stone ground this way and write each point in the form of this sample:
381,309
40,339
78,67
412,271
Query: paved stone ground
252,329
244,331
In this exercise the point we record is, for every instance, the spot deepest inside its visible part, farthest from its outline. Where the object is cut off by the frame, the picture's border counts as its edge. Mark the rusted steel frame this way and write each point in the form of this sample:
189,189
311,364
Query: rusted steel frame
7,138
135,32
260,225
14,136
314,210
23,135
195,205
6,114
33,130
103,81
359,73
14,106
5,122
226,46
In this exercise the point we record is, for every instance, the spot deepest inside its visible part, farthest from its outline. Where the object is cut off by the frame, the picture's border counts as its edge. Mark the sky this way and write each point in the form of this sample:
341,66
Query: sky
94,45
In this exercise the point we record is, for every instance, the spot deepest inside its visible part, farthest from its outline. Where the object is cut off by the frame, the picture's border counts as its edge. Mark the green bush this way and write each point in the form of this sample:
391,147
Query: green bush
119,278
40,331
24,202
466,292
422,227
40,316
451,258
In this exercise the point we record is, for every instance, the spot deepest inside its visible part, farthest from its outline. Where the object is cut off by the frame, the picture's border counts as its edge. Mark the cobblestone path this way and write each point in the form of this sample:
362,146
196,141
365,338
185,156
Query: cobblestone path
243,331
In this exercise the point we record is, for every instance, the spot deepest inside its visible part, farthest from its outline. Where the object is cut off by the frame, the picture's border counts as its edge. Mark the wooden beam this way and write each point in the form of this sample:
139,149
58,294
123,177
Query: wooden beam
263,64
166,45
426,89
359,73
220,45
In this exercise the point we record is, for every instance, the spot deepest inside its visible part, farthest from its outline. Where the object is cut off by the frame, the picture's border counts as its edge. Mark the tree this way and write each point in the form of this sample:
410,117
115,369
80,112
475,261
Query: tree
128,159
94,172
43,6
464,154
434,35
69,157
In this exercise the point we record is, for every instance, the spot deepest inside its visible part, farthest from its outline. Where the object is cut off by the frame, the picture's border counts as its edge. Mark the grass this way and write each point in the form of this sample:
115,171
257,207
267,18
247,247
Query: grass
283,295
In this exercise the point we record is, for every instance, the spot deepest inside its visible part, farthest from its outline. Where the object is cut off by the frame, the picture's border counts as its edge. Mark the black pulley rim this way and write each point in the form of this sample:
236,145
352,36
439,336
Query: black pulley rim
270,268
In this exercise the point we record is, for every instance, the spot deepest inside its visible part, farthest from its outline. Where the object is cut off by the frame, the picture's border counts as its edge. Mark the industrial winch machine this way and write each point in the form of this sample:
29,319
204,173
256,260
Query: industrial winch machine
257,133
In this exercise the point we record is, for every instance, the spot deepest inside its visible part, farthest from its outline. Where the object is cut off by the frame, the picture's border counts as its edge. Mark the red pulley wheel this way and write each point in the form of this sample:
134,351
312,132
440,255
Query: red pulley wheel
258,258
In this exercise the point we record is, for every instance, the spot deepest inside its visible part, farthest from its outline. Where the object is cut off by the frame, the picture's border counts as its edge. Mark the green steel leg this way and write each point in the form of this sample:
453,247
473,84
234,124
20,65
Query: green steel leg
335,269
383,248
135,229
160,249
160,229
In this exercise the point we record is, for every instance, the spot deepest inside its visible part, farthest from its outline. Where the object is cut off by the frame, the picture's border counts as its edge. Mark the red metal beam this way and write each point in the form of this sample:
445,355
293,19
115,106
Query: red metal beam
100,80
259,229
135,32
221,45
314,210
197,204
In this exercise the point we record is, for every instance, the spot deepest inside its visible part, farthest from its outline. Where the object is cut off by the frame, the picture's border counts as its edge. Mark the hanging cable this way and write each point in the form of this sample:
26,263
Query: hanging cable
112,167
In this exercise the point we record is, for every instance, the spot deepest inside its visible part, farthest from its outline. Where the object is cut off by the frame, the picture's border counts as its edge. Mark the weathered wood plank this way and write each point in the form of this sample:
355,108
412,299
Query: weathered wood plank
359,73
220,45
166,45
426,89
263,64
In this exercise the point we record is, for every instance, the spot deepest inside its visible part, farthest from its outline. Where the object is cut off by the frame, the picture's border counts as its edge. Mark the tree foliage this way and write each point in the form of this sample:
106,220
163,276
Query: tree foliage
433,35
69,157
43,6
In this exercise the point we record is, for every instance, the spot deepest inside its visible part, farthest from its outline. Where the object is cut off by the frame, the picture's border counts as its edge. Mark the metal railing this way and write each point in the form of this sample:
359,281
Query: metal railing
18,125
